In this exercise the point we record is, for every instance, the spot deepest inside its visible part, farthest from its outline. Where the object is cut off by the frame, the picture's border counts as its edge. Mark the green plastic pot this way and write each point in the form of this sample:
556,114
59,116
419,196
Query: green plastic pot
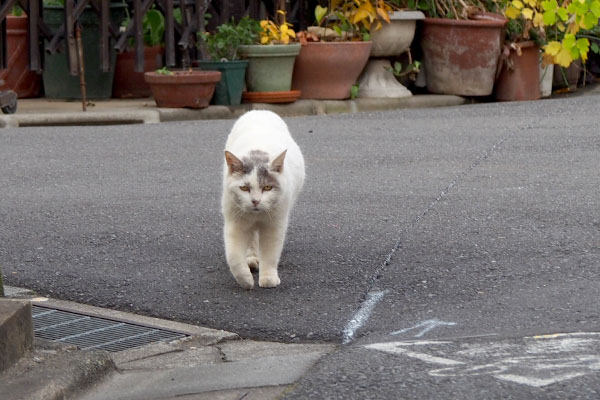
58,83
229,90
270,67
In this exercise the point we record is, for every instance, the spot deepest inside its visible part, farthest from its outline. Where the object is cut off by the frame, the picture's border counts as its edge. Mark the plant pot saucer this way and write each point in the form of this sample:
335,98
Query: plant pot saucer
271,97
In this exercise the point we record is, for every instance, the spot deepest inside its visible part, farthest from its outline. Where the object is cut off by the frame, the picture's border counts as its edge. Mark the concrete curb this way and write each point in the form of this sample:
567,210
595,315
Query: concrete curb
92,118
41,112
313,107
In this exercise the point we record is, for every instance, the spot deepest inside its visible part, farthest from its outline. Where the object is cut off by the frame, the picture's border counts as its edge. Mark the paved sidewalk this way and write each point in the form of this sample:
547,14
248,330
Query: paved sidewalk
208,364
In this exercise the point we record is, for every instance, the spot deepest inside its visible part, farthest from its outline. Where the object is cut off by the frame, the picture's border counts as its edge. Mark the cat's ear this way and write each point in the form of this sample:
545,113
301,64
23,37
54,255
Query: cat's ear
234,163
277,164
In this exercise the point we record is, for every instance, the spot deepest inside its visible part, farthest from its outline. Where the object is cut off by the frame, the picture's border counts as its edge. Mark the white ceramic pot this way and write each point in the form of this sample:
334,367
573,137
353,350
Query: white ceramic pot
395,38
391,40
546,75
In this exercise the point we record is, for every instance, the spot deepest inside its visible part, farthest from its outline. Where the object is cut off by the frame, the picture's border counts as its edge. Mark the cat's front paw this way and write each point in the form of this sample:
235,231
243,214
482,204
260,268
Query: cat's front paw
245,280
268,281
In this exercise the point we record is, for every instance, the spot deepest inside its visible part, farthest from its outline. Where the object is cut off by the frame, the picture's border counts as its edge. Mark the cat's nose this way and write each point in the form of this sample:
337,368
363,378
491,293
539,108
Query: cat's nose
255,202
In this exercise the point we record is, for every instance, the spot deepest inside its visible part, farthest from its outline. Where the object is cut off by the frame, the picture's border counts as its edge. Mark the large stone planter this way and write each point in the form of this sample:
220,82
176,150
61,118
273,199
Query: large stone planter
461,56
327,70
391,40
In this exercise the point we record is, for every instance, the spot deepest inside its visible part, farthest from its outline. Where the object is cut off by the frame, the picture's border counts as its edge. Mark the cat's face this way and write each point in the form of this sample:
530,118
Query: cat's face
254,182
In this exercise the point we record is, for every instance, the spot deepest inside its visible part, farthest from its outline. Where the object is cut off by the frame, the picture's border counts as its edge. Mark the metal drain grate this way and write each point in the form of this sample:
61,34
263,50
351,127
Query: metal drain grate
90,332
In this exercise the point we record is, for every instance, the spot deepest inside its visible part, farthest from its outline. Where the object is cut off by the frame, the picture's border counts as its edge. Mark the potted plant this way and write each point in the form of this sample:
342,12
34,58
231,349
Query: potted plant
271,62
461,42
393,39
127,82
183,88
222,47
17,76
564,23
58,83
335,51
519,77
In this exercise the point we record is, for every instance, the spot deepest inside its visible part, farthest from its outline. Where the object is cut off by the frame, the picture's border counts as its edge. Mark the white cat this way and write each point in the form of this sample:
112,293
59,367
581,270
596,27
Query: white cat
263,175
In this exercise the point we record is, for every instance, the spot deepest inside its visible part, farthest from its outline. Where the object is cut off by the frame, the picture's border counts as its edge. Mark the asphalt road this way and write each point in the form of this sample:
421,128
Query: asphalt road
471,230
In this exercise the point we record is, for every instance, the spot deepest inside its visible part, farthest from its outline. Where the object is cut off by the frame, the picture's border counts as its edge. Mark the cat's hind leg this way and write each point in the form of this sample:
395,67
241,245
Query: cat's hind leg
252,252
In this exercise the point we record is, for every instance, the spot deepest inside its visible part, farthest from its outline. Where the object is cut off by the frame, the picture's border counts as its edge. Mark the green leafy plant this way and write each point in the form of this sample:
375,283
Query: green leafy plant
410,70
354,91
16,11
164,71
223,44
563,22
153,27
351,19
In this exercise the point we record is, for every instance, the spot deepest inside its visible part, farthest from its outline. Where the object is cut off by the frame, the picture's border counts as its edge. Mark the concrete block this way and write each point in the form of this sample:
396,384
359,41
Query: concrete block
16,331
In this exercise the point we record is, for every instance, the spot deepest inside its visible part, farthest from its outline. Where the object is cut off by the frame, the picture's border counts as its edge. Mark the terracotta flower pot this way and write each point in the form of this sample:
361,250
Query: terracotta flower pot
461,56
17,76
519,78
192,89
127,82
567,78
327,70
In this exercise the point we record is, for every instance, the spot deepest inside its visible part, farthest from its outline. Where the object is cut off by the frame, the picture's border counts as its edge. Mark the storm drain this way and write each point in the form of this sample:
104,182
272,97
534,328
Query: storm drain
90,332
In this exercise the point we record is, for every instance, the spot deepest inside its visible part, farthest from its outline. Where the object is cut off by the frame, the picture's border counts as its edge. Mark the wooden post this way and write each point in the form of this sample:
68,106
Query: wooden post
81,67
104,37
34,14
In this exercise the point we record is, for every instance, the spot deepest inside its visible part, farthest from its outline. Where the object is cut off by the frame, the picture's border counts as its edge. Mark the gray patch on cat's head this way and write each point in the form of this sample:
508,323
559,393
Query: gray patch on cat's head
259,160
266,178
255,159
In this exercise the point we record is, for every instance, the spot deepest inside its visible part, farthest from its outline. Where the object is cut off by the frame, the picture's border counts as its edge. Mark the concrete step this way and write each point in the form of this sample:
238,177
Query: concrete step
16,331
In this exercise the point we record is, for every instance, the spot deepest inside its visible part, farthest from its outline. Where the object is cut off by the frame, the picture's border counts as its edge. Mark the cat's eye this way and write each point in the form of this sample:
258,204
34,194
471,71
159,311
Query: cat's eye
244,188
267,188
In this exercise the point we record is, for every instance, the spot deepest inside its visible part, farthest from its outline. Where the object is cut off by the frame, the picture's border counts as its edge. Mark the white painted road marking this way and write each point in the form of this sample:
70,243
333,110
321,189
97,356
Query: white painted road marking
424,327
535,361
362,315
